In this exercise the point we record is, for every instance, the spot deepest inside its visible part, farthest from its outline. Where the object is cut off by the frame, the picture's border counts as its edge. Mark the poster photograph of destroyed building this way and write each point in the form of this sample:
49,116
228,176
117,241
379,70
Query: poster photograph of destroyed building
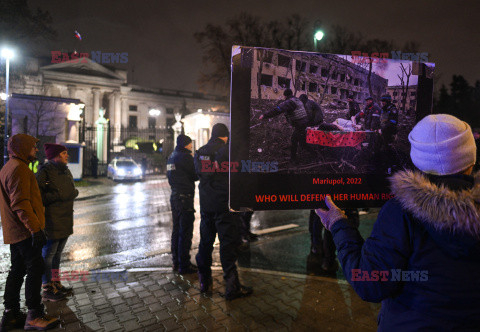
323,113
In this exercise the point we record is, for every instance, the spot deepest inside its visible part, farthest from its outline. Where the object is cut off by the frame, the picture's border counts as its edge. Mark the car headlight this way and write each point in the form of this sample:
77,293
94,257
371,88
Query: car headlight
121,172
137,171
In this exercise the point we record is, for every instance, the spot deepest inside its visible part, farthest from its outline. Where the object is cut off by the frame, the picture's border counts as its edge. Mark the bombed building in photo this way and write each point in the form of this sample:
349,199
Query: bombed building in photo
400,95
325,78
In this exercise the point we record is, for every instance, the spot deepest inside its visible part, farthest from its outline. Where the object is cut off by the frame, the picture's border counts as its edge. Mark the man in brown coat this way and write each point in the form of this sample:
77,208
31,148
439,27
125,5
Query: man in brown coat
23,221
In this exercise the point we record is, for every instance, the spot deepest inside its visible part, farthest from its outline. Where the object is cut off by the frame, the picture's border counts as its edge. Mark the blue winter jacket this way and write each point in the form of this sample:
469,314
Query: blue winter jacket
422,260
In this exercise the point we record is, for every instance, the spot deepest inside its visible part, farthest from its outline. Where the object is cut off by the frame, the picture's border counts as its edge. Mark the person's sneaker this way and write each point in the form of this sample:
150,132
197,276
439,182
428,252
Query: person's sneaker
58,286
242,291
38,320
12,319
188,270
206,283
50,293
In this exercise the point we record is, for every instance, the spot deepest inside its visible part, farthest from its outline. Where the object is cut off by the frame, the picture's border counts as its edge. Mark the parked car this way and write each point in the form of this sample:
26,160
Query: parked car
124,169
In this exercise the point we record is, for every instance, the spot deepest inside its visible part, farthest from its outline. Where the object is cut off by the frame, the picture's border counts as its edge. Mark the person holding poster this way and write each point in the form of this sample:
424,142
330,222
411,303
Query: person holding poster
216,216
422,260
296,115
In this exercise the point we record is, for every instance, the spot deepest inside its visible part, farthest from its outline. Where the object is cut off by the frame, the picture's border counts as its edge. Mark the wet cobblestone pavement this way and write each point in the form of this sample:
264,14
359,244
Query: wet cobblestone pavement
163,301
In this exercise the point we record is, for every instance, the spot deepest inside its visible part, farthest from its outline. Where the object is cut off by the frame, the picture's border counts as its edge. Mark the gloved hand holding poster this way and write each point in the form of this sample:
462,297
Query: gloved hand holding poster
305,125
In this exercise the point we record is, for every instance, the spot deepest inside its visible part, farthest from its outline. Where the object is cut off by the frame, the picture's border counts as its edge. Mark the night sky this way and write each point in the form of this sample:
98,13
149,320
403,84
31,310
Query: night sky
158,35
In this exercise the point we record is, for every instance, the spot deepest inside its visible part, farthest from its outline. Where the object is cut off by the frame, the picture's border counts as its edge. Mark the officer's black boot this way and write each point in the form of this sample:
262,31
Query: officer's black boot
233,288
205,283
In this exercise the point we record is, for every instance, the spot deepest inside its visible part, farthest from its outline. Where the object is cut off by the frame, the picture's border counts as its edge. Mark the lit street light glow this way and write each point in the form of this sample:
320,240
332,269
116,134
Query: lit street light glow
3,96
319,35
7,53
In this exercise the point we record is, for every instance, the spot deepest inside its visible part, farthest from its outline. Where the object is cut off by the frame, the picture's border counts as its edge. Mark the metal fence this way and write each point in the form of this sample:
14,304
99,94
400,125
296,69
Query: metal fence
148,147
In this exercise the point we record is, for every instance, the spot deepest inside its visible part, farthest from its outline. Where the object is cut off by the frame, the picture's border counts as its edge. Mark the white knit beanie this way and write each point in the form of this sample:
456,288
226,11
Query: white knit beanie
442,145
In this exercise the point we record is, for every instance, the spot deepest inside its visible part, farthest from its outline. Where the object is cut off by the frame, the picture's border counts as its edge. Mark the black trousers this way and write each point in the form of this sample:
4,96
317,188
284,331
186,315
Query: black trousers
226,224
299,137
321,239
246,218
25,260
182,231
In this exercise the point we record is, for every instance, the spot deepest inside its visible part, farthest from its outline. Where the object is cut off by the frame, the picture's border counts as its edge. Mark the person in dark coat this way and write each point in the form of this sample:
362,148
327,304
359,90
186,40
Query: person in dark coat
23,222
181,177
58,193
353,107
314,111
371,113
211,164
296,115
422,260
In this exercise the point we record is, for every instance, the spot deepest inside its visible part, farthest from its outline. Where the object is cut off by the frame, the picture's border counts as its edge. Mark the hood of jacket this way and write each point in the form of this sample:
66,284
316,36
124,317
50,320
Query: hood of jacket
20,145
450,211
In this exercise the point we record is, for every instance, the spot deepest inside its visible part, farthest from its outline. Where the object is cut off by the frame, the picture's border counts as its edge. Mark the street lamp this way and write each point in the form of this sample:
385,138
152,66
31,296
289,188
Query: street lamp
7,54
317,37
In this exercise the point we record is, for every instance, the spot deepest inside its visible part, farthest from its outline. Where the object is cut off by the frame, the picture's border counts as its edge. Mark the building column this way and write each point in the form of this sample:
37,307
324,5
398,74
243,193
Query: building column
124,112
72,90
96,105
111,107
117,124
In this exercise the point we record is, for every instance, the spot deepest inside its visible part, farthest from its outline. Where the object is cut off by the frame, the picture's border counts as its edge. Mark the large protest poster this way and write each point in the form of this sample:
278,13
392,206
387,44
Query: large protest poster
279,160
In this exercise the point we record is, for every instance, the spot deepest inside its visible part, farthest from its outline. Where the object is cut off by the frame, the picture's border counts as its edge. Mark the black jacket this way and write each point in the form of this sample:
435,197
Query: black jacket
372,116
389,118
314,113
353,109
294,111
181,172
213,185
58,192
430,231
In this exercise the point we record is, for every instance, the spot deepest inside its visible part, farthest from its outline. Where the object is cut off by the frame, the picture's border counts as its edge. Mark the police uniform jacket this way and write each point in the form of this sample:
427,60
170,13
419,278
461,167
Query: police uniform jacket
213,185
181,172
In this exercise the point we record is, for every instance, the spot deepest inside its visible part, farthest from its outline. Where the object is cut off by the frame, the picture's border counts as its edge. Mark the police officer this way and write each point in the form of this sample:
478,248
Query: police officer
314,111
210,160
181,177
296,116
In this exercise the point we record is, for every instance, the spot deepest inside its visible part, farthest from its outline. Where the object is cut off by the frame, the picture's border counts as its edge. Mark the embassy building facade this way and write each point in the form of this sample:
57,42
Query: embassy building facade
71,101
